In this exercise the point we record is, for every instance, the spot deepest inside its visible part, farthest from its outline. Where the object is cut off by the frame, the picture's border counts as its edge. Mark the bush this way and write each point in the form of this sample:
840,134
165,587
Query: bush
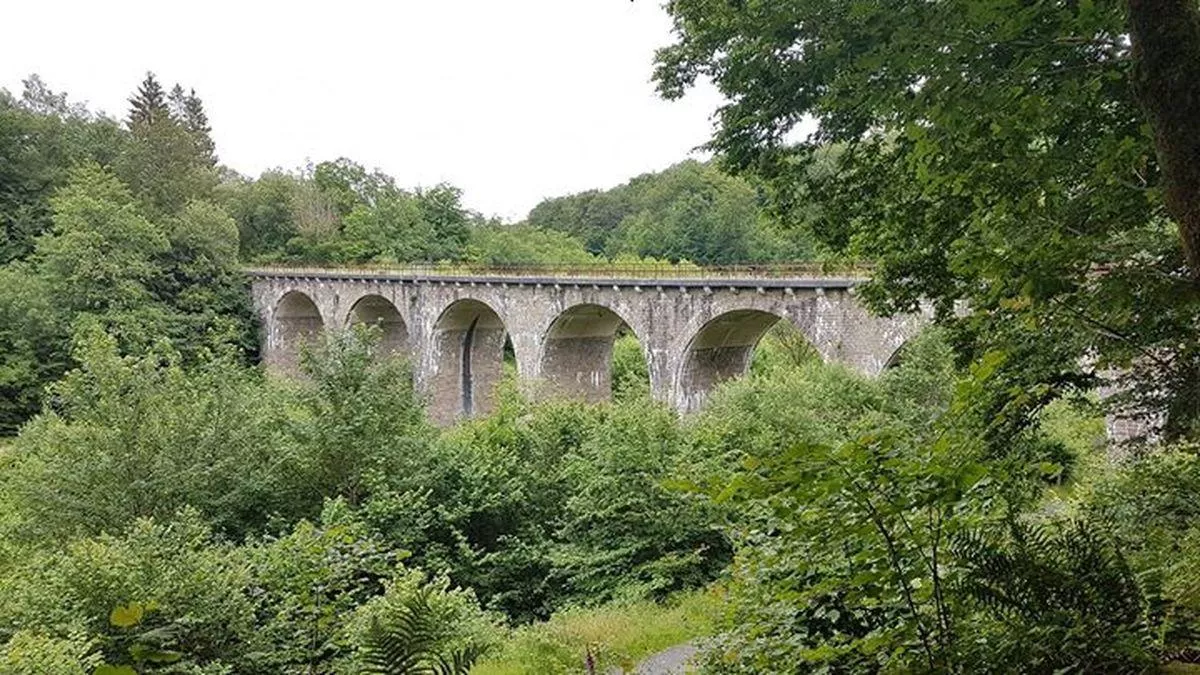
194,585
417,624
486,503
1055,597
542,505
297,602
134,437
28,653
842,495
625,533
357,422
306,585
630,374
1151,509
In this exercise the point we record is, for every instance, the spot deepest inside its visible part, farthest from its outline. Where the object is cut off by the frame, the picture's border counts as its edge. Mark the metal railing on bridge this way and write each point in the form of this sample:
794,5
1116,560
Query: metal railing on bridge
599,270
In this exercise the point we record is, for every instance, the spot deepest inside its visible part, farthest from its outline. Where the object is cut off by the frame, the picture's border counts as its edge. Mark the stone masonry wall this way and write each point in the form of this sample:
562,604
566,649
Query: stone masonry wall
693,333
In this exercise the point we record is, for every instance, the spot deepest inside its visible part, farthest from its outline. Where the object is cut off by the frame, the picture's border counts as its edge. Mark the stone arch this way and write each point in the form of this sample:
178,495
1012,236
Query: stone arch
468,354
295,321
376,310
577,350
897,356
720,350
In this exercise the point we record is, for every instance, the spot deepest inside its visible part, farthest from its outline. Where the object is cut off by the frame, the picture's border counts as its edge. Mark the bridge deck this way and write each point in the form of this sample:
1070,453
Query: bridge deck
650,276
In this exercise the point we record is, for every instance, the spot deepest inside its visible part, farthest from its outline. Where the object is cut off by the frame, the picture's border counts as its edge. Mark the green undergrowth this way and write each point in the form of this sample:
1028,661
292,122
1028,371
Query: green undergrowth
620,635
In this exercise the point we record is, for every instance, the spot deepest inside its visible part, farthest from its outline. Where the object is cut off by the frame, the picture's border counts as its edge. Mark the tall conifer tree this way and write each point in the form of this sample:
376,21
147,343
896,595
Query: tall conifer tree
176,103
196,122
149,104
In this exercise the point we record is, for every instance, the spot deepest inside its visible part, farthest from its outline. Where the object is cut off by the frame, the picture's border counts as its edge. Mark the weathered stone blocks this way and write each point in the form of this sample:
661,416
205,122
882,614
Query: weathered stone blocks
694,333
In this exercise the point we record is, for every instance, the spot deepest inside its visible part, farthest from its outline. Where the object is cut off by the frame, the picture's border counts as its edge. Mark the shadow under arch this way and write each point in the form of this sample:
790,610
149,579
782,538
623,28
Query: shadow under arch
720,350
897,357
577,352
295,321
376,310
468,361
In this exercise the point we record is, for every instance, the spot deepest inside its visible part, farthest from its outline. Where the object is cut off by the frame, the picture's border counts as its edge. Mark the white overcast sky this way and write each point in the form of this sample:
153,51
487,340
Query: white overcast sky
513,100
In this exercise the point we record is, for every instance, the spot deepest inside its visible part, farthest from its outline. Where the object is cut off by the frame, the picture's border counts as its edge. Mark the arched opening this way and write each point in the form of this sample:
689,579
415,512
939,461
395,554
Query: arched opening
782,347
578,353
468,353
898,357
297,321
630,371
375,310
721,350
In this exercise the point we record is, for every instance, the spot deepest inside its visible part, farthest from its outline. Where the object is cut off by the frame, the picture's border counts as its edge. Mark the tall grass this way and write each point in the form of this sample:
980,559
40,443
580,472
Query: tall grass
619,636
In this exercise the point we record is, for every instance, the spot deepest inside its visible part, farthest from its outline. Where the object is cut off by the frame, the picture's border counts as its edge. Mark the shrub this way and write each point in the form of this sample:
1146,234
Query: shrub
358,422
1055,597
195,585
306,585
135,437
29,653
416,625
625,532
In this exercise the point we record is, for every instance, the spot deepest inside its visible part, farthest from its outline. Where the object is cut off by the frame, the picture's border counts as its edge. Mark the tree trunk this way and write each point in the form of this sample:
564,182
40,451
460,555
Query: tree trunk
1166,51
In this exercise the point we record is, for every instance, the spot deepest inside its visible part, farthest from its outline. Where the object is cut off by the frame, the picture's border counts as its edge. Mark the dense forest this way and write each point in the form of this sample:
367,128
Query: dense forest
136,225
167,505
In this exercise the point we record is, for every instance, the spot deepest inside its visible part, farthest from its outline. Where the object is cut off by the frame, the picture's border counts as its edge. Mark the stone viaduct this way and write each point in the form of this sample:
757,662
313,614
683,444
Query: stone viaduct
694,332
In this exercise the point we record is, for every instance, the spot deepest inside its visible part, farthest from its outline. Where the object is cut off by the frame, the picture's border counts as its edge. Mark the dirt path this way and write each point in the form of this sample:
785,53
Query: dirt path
673,661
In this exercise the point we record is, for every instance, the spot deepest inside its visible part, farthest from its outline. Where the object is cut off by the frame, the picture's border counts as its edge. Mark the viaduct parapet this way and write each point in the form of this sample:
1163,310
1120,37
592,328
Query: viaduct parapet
695,332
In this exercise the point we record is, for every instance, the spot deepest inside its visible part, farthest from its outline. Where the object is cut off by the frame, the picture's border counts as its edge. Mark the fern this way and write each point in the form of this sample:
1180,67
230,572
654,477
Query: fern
412,642
1061,597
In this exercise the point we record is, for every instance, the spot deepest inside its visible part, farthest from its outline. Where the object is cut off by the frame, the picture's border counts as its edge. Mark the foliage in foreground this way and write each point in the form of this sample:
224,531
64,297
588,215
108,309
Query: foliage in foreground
869,531
220,607
872,535
535,507
617,635
1021,162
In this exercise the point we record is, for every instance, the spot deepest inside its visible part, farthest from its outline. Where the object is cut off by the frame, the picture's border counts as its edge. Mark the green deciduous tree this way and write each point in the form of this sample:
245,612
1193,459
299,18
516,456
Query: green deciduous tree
441,207
498,244
173,279
31,336
877,530
42,136
265,211
363,421
625,532
998,153
690,211
201,282
100,254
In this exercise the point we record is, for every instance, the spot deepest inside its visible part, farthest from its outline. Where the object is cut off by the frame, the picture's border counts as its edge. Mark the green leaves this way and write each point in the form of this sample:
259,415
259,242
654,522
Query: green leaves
114,670
413,641
989,157
127,616
691,212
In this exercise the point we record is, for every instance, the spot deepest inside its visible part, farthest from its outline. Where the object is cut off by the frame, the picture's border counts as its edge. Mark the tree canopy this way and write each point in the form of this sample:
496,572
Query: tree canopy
690,211
998,156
